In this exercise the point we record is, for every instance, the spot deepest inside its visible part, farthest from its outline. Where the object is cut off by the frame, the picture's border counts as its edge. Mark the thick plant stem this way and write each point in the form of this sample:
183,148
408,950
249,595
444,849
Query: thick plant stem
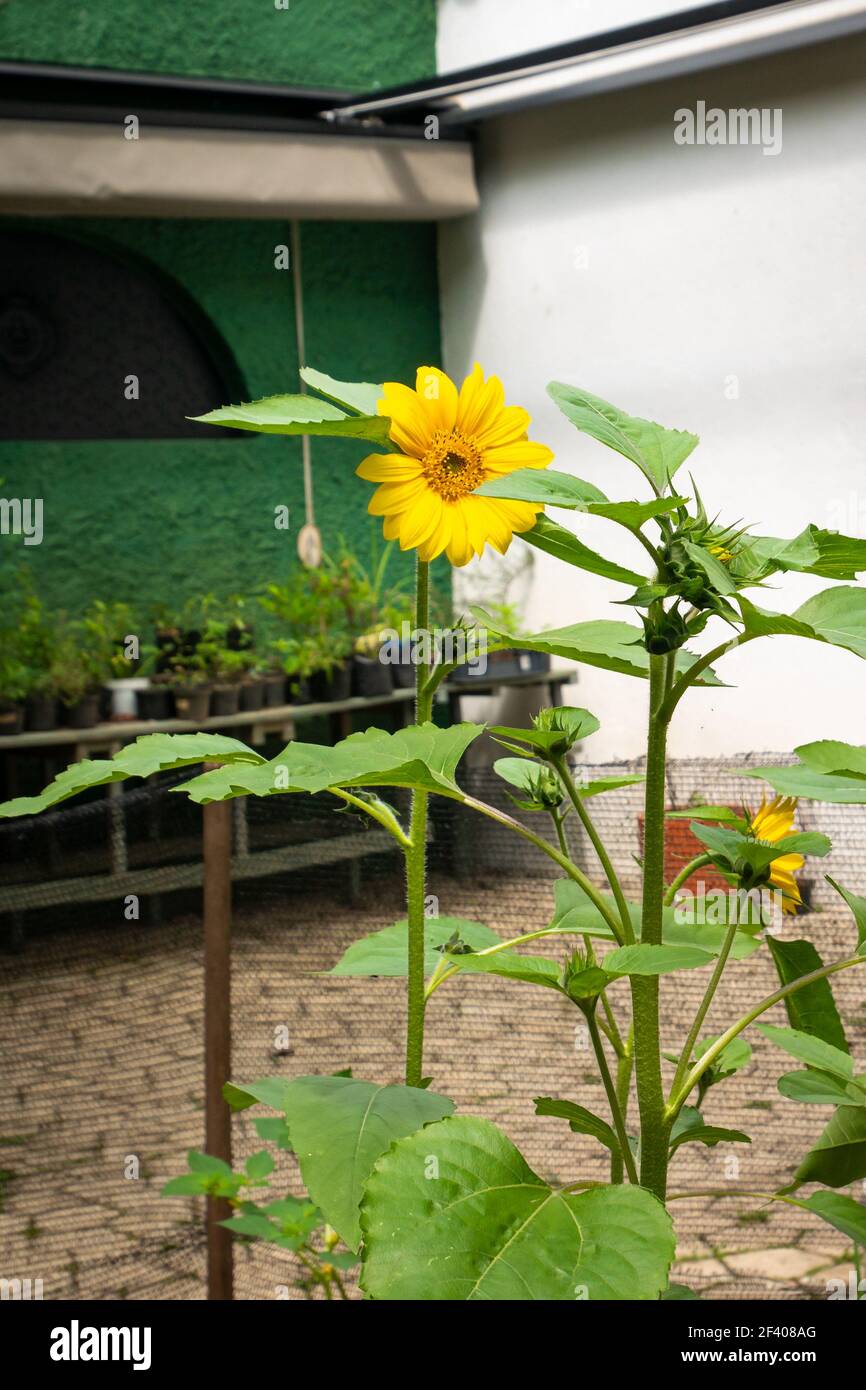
416,862
613,1099
655,1125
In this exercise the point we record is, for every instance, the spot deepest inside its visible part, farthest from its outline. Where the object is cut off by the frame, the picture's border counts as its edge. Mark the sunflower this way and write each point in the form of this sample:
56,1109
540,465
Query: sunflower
771,822
450,443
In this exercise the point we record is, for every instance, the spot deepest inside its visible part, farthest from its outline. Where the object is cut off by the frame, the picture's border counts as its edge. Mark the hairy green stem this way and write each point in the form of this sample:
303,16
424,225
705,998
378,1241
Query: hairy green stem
703,1007
613,1100
698,862
625,1063
655,1125
416,861
598,845
706,1061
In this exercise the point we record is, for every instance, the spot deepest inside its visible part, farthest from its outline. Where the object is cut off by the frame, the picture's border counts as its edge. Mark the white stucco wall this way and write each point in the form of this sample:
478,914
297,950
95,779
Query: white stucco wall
653,275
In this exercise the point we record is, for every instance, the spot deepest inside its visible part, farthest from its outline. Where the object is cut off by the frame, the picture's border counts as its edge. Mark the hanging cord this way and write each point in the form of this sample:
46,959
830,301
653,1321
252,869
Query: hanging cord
302,362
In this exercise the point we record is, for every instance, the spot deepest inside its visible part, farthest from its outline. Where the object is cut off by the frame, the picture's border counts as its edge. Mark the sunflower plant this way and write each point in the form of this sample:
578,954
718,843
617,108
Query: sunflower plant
441,1206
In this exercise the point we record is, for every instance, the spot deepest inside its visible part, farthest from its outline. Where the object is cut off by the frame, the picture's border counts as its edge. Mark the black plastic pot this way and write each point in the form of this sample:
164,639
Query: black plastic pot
252,695
11,717
86,713
225,700
334,686
154,703
41,713
370,677
192,702
532,661
274,690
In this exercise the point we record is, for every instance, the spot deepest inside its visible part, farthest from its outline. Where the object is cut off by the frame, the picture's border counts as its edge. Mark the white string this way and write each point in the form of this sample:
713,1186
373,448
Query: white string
302,361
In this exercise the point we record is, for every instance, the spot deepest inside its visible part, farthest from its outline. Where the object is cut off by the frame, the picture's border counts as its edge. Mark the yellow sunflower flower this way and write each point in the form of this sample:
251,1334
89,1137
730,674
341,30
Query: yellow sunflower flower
450,443
771,822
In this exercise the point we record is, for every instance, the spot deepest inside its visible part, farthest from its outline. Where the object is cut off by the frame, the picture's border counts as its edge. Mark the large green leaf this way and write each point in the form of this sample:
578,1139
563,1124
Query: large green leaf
510,965
613,646
562,490
339,1125
812,1087
839,1156
573,912
421,756
836,616
385,952
580,1120
841,1212
815,551
814,1052
148,754
555,540
545,485
802,781
654,960
359,397
298,415
658,452
829,755
811,1009
455,1213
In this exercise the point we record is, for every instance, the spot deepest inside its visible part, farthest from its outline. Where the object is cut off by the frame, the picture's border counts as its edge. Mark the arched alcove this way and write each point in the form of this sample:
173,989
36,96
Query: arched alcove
96,343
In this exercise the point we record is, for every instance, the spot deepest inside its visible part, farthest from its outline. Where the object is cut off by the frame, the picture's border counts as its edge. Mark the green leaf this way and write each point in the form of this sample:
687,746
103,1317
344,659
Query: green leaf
613,646
187,1185
298,415
830,756
455,1213
814,551
385,952
580,1120
359,397
720,814
802,781
555,540
680,1293
259,1165
732,1058
654,960
573,912
658,452
812,1087
206,1163
273,1129
690,1128
545,485
270,1090
422,756
339,1127
599,785
812,1051
730,847
839,1156
149,753
533,970
836,616
811,1009
843,1213
857,906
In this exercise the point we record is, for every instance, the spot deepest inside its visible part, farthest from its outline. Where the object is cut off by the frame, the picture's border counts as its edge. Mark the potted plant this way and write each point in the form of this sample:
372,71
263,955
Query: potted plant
13,686
225,661
112,634
37,636
79,678
296,657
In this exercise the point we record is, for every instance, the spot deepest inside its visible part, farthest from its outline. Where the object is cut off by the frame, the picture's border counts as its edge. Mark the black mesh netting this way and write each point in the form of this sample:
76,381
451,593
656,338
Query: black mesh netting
101,1023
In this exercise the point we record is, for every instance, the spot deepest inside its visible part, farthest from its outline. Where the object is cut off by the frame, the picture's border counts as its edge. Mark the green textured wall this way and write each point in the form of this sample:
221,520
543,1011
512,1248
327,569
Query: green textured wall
333,43
154,521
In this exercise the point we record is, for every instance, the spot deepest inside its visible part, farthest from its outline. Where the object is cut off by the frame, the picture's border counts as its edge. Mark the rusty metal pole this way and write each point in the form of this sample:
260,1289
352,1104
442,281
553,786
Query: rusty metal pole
217,878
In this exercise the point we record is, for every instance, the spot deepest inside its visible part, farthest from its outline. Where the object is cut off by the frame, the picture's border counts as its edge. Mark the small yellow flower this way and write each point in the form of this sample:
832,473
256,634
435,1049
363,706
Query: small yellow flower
771,822
450,443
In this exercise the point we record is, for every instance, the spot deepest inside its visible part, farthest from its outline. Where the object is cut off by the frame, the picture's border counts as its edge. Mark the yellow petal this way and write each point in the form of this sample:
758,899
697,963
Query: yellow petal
508,427
429,549
390,498
480,402
438,396
388,468
459,547
420,520
411,428
523,453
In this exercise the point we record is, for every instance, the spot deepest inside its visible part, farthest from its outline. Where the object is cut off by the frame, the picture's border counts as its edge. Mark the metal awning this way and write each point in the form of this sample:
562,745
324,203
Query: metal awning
208,148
